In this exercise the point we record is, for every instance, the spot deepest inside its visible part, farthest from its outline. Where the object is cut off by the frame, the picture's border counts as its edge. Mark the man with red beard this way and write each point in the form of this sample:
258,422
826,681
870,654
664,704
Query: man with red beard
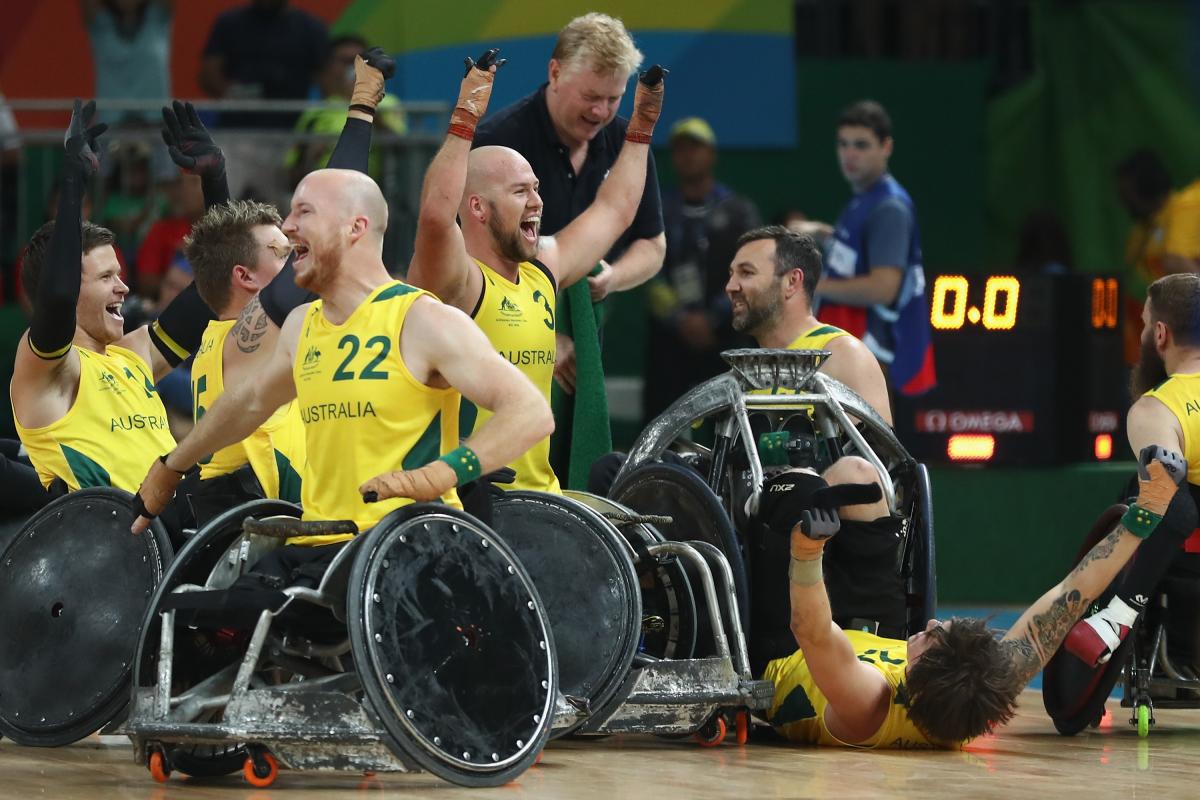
496,266
377,367
1166,381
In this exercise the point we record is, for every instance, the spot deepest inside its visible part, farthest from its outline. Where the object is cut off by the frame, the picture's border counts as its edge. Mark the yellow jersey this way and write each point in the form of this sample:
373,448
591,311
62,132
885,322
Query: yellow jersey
1181,394
518,319
113,431
364,413
798,710
275,451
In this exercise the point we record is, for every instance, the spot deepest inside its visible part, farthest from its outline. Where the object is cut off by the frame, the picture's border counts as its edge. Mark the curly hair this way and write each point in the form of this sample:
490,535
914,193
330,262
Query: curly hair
962,686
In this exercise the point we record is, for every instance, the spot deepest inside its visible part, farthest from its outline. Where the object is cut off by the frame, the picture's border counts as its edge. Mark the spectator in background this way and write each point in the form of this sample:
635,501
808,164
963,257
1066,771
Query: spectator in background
1044,246
131,51
569,132
1165,237
873,286
10,162
690,312
185,201
130,204
336,84
263,50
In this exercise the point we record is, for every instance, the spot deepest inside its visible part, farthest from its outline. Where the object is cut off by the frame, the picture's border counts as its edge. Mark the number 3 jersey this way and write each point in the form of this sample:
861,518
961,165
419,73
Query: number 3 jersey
518,319
364,413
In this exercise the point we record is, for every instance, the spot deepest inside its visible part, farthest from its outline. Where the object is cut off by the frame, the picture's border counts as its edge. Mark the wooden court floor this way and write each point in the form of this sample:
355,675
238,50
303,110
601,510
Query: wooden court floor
1026,760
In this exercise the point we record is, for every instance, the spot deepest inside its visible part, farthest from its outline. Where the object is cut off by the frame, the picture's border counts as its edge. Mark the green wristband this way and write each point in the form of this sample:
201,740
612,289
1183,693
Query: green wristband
464,462
1140,522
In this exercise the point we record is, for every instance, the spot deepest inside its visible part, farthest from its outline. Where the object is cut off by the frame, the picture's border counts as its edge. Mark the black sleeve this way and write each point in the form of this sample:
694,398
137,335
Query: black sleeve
179,328
353,147
281,296
649,220
215,188
53,325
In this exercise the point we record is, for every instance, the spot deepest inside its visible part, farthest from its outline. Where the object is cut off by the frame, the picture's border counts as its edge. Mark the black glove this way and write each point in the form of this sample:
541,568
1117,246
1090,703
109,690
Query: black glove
485,61
1172,461
82,139
378,58
819,523
654,76
189,143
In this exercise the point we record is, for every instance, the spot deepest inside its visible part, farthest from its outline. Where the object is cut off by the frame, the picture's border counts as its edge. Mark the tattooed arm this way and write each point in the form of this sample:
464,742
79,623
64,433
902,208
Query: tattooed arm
1041,629
249,345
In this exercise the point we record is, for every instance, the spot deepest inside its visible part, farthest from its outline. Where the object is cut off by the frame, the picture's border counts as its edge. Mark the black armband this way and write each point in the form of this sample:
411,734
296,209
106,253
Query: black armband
178,330
281,296
353,147
53,325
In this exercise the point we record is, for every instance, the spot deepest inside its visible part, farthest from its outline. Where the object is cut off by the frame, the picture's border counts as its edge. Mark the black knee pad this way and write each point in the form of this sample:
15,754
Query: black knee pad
785,497
604,472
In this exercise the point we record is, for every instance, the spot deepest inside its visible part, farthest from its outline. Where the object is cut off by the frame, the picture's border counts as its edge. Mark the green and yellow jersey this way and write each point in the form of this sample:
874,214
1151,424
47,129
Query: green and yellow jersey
1181,394
113,431
275,451
518,319
363,412
798,710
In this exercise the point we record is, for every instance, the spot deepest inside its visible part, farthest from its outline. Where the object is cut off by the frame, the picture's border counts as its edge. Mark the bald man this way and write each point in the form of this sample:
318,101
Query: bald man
378,368
495,266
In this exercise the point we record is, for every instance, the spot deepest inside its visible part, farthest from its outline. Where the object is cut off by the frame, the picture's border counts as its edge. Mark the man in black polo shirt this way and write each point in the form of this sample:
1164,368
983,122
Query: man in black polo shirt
569,132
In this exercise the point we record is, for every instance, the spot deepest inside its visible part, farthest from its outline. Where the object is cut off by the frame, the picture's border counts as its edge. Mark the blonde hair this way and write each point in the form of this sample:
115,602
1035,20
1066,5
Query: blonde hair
599,42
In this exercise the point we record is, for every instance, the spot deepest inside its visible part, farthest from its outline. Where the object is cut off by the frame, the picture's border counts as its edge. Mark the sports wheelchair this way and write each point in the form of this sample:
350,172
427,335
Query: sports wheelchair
422,644
774,395
74,586
1157,664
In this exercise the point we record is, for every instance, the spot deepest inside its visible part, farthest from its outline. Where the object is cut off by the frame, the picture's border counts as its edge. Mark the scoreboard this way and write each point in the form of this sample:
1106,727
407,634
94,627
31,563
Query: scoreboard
1030,371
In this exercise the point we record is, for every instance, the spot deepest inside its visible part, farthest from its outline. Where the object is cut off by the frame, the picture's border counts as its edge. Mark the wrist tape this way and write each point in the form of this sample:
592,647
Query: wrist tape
805,573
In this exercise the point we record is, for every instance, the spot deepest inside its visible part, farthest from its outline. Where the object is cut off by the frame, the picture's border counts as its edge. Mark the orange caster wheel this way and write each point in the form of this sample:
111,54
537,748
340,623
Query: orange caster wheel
742,726
260,770
713,733
160,770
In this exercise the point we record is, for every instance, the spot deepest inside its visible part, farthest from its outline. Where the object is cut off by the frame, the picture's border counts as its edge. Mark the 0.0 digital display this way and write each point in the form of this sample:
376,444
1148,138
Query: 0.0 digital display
948,309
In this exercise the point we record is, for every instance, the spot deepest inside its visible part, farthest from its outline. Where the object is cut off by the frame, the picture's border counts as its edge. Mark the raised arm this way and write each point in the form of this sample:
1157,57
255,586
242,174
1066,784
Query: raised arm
575,250
235,415
858,694
440,262
445,345
1162,509
53,325
48,359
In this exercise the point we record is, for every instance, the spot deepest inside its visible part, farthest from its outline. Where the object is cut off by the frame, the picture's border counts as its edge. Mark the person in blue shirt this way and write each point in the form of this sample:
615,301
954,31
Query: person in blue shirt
874,284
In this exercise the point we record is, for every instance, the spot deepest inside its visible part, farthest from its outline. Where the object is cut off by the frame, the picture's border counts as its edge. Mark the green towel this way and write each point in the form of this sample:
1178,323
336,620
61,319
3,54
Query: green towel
583,417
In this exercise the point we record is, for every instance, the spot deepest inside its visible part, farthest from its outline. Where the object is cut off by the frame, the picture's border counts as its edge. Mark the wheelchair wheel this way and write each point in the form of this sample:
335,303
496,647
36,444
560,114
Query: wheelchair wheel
196,563
586,580
452,645
697,512
74,586
667,595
